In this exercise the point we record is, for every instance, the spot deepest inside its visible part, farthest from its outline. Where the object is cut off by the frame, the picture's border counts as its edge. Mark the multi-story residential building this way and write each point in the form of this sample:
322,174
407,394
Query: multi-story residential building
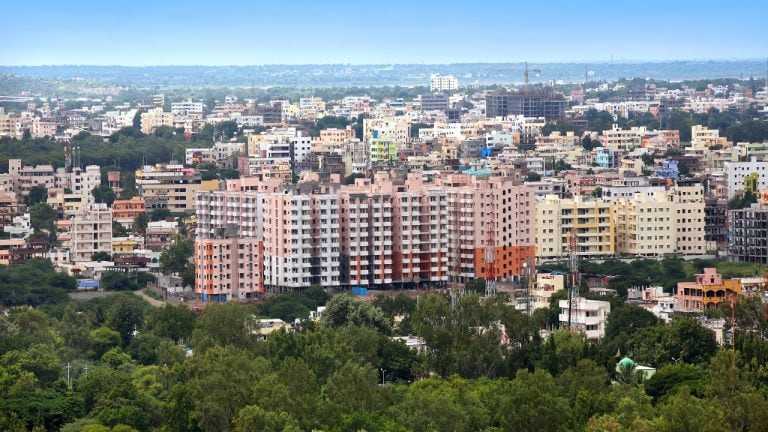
25,178
591,219
160,234
479,204
154,119
747,234
707,292
503,104
546,285
589,316
715,223
622,140
396,129
91,232
125,211
79,181
690,224
646,226
737,172
168,186
186,107
433,102
382,150
441,83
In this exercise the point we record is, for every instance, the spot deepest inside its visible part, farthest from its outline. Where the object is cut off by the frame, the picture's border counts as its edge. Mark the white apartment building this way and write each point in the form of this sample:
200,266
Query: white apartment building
24,178
689,211
735,172
623,140
186,107
396,129
589,316
91,232
440,83
80,181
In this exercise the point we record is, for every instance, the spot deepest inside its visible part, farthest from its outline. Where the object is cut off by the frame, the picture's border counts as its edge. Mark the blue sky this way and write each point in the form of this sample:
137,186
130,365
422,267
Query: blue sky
226,32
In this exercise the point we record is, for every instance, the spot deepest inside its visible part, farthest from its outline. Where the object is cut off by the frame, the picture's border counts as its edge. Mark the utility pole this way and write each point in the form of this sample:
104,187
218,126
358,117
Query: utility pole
69,379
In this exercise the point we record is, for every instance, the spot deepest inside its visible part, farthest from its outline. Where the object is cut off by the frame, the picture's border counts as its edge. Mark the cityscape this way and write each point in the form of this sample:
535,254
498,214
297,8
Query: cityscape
430,229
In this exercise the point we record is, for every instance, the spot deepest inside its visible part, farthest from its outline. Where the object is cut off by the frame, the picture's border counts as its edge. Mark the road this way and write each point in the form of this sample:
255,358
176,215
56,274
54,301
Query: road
150,300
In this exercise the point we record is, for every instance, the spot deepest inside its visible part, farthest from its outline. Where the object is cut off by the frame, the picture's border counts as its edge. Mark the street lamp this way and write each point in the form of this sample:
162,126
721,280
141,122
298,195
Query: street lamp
382,376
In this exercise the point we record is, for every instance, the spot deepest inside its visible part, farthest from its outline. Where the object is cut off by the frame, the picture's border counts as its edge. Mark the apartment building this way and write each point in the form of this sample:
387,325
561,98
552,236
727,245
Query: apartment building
80,181
91,232
747,234
24,178
125,211
154,119
441,83
646,226
396,129
589,316
690,220
483,209
591,219
622,140
737,172
168,186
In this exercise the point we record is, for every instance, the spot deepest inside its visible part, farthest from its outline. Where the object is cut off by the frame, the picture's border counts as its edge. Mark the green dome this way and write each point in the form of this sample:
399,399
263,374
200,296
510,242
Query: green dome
626,362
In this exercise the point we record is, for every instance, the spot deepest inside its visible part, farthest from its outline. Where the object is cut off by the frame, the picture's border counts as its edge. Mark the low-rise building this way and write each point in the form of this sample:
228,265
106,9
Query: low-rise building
589,316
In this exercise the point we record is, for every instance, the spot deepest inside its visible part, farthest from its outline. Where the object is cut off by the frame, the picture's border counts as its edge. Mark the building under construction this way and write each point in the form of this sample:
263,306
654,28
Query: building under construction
529,104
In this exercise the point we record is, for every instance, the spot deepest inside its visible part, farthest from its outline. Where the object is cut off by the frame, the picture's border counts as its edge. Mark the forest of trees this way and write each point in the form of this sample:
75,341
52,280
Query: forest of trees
117,364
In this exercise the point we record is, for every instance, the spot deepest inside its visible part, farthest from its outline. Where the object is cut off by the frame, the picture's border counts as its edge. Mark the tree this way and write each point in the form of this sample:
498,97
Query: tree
140,223
172,322
648,159
175,259
118,230
533,177
350,179
683,412
254,419
588,144
37,194
532,402
228,324
628,319
117,281
101,256
104,194
343,309
42,216
127,316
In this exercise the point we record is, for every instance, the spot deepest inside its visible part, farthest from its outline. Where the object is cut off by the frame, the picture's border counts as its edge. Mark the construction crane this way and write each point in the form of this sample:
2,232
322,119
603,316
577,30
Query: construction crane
573,292
526,74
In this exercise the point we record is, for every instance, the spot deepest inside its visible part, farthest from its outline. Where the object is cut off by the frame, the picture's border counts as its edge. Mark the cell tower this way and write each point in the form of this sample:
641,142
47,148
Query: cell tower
68,157
573,291
490,246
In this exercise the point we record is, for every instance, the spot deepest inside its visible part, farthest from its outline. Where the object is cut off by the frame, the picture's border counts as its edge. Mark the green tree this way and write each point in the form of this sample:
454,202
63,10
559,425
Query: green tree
101,256
172,322
176,258
532,402
140,223
343,309
37,194
254,419
117,281
104,194
42,216
228,324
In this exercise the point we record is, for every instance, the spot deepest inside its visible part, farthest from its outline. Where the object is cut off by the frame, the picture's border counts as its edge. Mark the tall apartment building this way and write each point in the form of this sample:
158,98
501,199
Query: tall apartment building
168,186
478,204
503,104
748,234
592,219
646,226
372,233
736,172
440,83
80,181
154,119
91,232
690,218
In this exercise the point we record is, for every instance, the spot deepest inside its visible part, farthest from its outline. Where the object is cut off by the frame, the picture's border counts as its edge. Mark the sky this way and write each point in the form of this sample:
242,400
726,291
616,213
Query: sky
256,32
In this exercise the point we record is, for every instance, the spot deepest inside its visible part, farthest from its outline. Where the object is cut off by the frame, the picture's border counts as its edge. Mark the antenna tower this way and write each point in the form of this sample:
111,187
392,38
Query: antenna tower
573,292
490,246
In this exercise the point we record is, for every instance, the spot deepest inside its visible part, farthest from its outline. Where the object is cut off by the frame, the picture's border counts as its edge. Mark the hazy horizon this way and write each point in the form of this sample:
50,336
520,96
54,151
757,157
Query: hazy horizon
243,33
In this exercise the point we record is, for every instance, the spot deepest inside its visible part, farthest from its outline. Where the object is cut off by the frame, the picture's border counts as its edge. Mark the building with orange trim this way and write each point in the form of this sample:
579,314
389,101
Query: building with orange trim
707,292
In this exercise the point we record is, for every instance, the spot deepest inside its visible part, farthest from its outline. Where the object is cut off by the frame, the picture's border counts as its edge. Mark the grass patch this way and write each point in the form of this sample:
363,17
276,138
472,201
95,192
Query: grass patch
152,294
